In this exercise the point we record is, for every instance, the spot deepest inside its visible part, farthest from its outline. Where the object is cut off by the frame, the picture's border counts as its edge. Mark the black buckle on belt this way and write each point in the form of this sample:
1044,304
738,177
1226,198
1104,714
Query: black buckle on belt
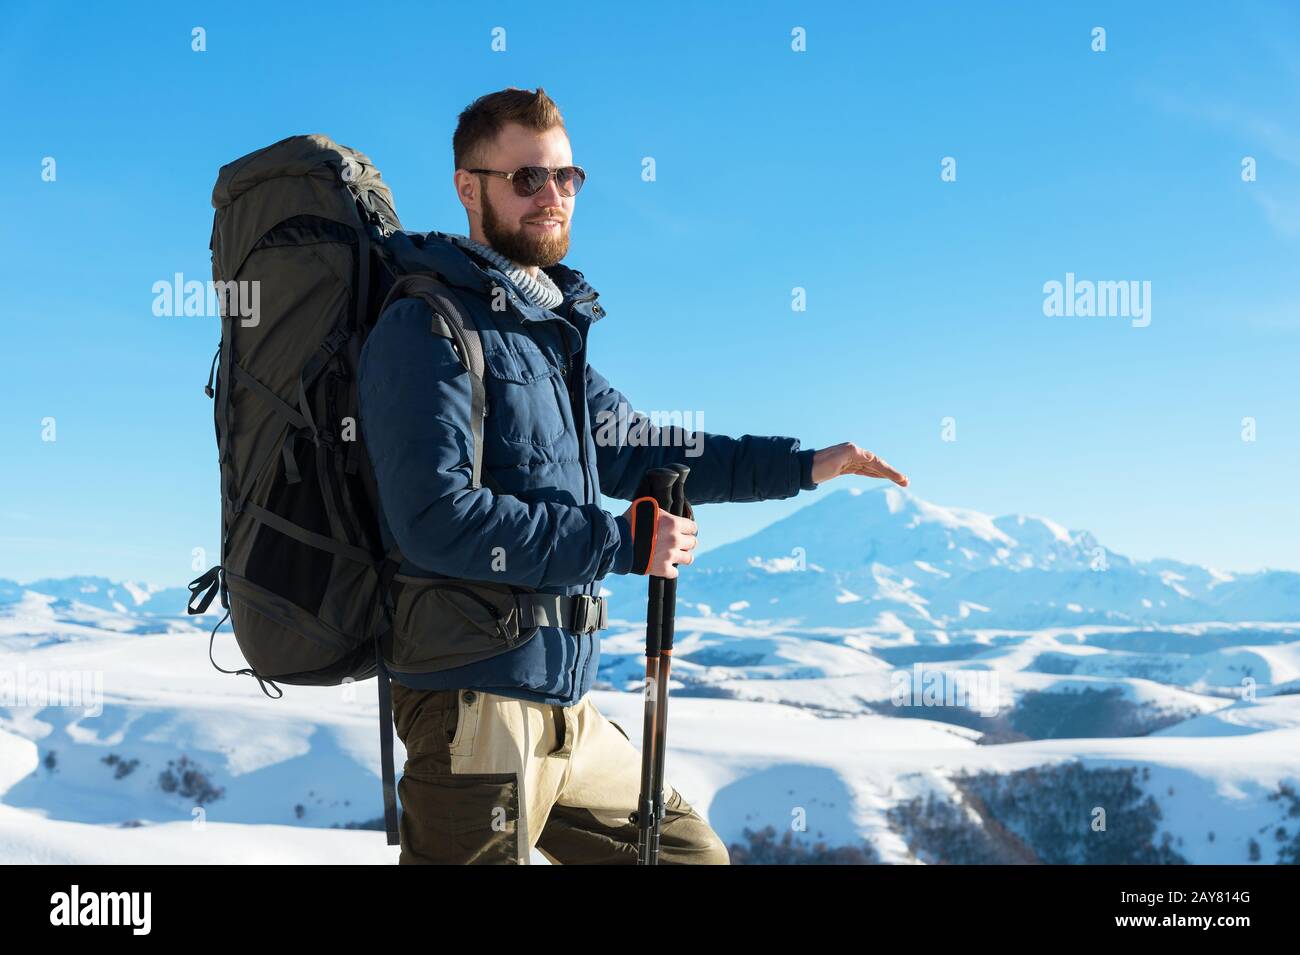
588,613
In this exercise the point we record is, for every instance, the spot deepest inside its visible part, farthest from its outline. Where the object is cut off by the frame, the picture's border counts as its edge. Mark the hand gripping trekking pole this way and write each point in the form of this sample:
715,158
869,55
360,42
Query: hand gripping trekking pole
657,485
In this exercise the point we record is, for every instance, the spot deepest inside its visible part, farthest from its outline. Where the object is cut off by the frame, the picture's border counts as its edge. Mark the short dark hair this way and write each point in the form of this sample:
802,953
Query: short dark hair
482,120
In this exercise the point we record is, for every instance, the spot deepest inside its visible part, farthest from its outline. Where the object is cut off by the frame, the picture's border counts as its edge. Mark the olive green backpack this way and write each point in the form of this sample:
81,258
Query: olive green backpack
301,254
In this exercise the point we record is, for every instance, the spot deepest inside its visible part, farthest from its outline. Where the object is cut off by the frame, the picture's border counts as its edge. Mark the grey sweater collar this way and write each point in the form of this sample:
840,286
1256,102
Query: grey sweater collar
539,292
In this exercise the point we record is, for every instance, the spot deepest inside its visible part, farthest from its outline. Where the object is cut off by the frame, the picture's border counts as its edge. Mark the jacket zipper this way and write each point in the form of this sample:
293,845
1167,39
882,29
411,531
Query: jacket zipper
582,428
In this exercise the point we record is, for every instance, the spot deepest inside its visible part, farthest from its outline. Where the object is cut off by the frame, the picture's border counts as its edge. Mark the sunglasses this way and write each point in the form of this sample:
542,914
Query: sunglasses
530,180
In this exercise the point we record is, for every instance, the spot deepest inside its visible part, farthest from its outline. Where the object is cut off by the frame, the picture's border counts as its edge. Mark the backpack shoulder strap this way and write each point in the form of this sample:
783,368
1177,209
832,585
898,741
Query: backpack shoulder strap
452,321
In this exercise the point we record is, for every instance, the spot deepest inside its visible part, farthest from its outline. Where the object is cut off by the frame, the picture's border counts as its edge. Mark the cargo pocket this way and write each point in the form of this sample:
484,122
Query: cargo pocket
425,721
440,623
460,819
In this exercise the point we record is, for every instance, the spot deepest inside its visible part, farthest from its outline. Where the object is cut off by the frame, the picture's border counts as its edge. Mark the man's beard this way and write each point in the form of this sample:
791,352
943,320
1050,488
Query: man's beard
518,246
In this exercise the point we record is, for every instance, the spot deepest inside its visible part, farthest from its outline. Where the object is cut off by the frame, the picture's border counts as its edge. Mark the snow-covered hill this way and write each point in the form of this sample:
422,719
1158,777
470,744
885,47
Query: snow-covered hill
867,652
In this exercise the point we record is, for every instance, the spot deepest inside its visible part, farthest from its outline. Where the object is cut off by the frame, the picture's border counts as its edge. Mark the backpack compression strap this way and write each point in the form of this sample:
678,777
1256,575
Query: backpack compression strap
387,769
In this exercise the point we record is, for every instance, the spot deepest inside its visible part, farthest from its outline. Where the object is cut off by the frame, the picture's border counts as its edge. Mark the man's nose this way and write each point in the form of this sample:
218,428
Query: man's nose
550,196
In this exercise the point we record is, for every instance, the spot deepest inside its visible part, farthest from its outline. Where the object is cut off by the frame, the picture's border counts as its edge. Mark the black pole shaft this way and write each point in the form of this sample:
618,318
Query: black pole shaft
668,619
657,483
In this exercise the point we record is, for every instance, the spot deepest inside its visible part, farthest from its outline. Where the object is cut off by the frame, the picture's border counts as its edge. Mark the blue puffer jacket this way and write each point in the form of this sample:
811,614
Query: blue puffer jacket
540,451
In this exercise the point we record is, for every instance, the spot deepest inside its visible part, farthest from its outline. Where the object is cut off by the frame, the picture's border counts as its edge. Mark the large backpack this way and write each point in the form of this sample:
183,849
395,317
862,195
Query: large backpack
303,576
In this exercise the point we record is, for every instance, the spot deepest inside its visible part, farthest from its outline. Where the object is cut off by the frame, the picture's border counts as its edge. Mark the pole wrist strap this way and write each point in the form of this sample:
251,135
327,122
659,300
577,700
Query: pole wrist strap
645,525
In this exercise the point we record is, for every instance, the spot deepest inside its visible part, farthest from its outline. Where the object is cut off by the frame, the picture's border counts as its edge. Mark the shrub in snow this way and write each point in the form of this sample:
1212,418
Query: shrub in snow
187,779
762,848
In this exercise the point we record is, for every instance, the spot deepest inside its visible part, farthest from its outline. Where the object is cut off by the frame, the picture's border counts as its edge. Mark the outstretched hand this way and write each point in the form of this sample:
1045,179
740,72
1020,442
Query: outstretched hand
848,458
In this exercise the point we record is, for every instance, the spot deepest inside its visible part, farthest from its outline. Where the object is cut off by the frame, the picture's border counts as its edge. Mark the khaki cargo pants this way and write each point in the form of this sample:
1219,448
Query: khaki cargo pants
489,777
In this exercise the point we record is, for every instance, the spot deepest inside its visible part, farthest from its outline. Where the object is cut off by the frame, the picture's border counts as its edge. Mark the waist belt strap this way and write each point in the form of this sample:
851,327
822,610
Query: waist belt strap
581,613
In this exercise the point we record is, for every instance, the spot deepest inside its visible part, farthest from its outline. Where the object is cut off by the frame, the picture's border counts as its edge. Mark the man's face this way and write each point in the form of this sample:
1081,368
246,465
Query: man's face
530,230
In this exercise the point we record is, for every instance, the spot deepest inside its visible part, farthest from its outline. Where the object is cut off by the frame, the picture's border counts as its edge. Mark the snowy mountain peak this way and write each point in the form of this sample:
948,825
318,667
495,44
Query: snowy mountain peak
890,525
867,557
1032,526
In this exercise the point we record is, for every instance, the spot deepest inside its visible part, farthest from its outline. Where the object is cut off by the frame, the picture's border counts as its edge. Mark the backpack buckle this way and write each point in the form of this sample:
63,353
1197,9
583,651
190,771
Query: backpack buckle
588,613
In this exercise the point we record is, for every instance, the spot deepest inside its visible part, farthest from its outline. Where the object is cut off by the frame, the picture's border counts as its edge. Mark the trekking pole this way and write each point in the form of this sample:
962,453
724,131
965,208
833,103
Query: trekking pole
658,484
668,619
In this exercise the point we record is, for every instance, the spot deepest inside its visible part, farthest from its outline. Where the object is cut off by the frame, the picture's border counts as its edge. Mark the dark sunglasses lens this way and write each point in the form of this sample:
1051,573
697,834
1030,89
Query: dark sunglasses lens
570,179
530,179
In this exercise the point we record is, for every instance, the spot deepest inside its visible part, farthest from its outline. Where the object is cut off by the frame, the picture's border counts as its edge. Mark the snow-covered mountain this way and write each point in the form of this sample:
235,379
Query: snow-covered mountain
138,607
886,559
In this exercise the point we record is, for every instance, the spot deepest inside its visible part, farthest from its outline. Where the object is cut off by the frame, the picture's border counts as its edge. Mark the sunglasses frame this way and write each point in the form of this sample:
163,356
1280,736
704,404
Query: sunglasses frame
552,173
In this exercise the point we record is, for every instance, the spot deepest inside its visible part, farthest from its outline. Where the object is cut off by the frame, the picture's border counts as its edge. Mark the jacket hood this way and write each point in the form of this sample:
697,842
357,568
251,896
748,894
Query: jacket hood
569,281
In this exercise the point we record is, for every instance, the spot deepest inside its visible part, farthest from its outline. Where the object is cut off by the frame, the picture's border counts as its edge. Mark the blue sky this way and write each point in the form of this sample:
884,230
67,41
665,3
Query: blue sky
775,169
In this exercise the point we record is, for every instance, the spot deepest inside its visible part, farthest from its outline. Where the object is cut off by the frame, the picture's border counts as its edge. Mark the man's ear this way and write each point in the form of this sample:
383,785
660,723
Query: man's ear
467,186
